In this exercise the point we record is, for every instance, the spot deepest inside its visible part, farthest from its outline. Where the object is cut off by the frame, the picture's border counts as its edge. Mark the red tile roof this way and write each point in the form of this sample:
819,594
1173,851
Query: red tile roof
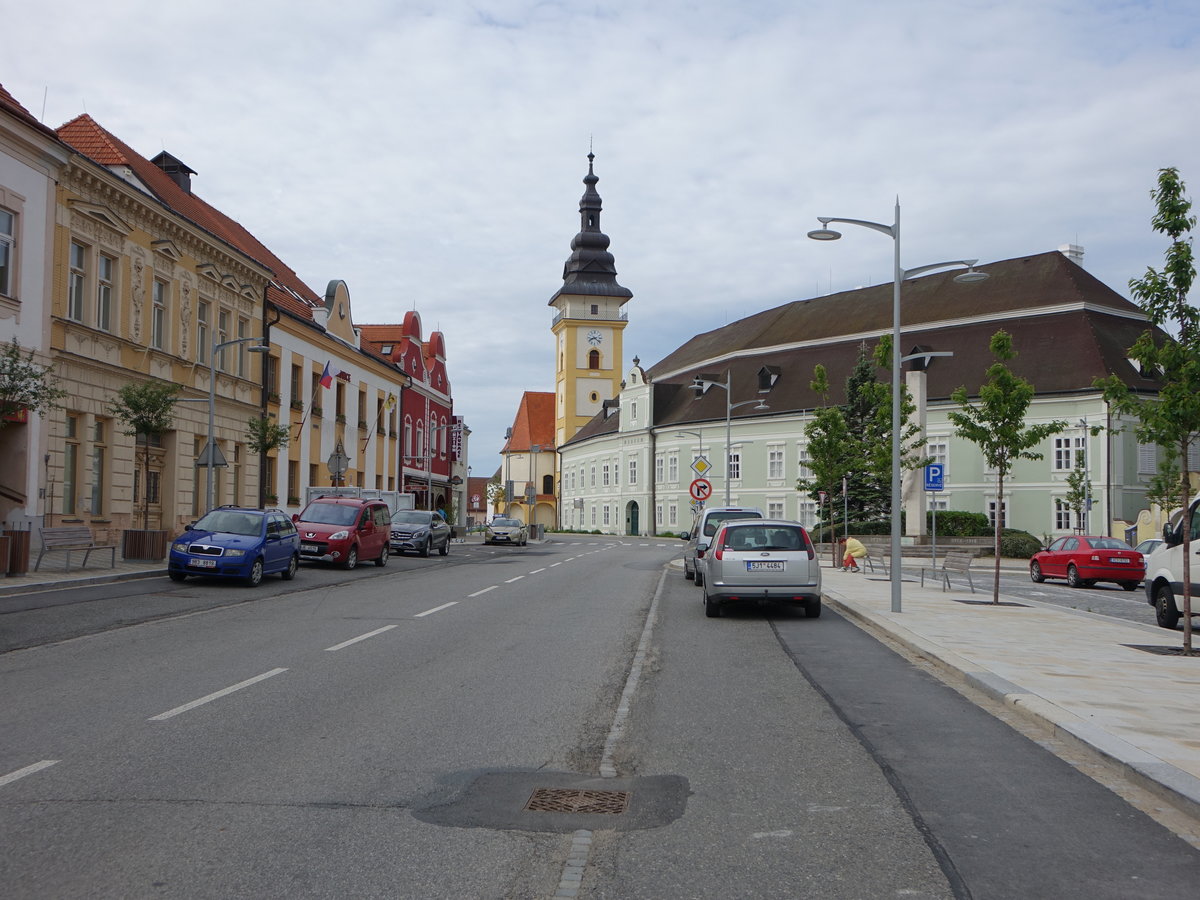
534,423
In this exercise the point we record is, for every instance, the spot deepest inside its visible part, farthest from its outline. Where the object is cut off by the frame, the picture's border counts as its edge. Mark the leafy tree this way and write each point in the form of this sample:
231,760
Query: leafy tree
494,492
1079,489
25,384
1163,487
868,419
829,447
263,435
1172,419
997,426
148,410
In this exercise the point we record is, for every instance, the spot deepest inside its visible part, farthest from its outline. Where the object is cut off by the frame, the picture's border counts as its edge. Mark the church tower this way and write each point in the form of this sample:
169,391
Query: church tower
588,323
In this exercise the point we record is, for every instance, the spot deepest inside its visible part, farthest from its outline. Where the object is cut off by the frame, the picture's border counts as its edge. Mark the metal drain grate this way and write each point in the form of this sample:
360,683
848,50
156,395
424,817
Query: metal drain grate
565,800
1161,650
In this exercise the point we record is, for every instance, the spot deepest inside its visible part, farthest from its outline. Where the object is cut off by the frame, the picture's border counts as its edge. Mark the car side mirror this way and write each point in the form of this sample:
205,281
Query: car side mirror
685,536
189,526
295,517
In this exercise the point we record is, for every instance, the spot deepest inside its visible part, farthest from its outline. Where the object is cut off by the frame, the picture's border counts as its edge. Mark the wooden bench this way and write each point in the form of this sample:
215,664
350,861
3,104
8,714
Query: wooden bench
72,537
957,562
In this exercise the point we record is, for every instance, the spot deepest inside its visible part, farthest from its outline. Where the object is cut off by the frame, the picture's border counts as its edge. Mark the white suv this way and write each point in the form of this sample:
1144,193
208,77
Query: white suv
1164,570
703,529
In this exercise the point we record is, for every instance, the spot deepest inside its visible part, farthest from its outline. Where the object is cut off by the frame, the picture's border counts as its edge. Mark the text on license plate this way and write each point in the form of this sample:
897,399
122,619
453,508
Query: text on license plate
770,565
308,548
1117,559
203,563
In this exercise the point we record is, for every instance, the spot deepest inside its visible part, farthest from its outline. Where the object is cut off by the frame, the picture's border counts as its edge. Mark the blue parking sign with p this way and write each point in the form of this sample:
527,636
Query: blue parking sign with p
935,477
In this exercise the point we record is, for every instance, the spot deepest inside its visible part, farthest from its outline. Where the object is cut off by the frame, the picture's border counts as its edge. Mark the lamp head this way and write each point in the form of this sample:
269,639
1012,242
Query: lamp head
824,234
971,276
259,348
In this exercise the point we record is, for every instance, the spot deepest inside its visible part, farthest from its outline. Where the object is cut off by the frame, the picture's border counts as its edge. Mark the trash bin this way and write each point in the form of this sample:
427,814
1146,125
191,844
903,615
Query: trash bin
16,560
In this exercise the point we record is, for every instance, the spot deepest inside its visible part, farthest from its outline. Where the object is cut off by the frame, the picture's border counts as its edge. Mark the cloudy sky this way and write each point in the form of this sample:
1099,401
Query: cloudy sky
430,152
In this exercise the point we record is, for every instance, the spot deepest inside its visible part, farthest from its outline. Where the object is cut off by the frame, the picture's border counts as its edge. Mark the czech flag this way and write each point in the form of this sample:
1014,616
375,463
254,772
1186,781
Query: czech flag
326,377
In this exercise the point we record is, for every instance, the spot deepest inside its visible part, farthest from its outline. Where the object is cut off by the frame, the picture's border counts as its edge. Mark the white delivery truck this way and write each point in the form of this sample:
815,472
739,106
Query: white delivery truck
1164,570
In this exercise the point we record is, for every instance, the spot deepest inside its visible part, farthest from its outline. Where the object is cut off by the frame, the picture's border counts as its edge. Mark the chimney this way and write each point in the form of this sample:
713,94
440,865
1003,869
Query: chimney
177,170
1073,252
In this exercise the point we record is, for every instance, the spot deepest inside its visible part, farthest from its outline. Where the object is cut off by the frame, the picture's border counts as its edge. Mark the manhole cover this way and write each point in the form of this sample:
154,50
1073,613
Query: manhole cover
564,800
1161,650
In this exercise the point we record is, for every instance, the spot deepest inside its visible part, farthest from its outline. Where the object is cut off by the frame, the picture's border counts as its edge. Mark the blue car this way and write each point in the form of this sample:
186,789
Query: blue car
237,542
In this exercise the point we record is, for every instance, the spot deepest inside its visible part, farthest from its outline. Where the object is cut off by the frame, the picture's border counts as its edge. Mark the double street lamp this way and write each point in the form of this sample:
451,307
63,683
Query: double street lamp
971,276
701,385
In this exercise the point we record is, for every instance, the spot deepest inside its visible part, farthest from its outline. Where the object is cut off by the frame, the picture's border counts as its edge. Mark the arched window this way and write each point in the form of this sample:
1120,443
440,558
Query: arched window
408,437
593,359
547,484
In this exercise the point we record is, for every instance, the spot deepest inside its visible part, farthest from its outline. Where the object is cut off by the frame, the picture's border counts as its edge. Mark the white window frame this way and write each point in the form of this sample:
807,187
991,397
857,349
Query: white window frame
735,465
158,314
803,472
660,465
77,280
8,252
632,470
775,459
673,469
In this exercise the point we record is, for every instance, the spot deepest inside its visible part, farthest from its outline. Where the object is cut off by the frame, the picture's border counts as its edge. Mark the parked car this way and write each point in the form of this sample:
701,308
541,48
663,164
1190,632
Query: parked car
506,530
344,530
419,530
761,561
702,531
1084,560
1164,570
236,542
1148,546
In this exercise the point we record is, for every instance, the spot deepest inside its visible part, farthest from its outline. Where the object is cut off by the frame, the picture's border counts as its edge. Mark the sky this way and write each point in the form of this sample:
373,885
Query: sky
430,153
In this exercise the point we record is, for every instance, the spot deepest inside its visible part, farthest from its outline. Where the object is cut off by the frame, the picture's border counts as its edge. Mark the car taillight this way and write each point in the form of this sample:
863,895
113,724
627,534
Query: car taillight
719,553
808,545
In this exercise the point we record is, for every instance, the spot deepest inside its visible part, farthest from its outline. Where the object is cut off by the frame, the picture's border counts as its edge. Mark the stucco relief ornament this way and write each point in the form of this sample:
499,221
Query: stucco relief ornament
185,315
139,296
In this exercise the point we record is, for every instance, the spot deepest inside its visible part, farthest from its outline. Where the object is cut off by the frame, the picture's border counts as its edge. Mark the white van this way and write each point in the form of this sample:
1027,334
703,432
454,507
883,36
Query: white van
1164,570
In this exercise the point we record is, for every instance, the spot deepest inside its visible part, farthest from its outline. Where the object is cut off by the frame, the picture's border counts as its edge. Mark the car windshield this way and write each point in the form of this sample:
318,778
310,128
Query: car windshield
506,523
231,521
759,537
411,517
1106,543
713,522
330,514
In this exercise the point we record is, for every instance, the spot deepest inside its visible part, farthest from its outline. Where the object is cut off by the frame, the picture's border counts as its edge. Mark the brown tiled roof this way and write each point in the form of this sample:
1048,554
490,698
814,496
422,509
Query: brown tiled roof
1068,328
534,423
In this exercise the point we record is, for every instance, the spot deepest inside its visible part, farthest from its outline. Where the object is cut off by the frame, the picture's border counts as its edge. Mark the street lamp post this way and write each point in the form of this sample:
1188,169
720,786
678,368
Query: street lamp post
703,384
825,233
211,450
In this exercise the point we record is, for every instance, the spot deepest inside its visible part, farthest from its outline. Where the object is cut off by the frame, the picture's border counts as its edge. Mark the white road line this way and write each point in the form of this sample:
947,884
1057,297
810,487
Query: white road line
511,580
28,770
171,713
430,612
535,571
361,637
552,565
484,591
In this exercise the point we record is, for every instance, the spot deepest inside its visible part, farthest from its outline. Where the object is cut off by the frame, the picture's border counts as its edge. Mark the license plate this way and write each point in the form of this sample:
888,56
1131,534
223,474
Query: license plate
773,565
1117,559
308,548
203,563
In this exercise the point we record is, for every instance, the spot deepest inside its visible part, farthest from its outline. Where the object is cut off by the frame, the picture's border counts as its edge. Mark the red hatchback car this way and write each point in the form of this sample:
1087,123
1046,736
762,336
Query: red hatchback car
344,530
1085,559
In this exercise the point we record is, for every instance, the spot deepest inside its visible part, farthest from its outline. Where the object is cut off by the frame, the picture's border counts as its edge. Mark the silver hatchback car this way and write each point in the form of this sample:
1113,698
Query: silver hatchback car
761,561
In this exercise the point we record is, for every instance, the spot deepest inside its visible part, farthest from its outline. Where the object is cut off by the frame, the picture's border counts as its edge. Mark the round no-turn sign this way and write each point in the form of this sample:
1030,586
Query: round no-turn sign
700,489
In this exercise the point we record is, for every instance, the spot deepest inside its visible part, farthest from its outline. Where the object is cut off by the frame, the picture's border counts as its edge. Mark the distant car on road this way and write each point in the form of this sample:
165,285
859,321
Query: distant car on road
506,530
761,561
1084,559
344,530
236,542
1148,546
419,531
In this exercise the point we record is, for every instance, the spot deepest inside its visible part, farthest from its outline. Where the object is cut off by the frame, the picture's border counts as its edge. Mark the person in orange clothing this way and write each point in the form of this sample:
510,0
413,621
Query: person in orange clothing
852,551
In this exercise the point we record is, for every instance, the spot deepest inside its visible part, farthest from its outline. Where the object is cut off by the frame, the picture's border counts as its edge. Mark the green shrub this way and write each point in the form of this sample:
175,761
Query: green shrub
1017,544
959,523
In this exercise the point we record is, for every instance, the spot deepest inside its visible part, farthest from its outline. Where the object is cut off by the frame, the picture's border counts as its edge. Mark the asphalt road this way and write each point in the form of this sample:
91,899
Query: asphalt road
377,733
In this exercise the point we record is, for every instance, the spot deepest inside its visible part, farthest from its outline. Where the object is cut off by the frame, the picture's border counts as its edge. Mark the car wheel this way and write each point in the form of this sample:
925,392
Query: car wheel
712,608
1165,611
426,547
688,573
290,572
382,558
177,576
812,608
254,579
1073,579
699,579
1129,585
445,548
351,558
1035,573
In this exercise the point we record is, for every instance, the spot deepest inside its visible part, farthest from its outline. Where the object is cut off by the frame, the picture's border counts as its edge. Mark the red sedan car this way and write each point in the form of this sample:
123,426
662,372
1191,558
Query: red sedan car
1085,559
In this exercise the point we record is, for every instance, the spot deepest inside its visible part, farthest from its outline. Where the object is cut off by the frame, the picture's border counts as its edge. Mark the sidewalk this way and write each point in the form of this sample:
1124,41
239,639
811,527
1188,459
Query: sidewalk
53,572
1094,681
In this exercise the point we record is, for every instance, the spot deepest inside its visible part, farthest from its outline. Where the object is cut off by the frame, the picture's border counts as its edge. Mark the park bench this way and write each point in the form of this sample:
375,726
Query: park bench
957,562
876,553
72,537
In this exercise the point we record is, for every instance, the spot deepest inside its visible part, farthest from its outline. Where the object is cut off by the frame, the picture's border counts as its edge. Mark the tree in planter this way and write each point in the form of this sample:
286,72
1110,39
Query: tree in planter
263,436
25,384
148,410
997,426
1172,418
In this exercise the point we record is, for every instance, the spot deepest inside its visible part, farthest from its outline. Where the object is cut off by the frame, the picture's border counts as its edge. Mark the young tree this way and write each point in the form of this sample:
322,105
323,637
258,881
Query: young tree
829,449
1079,491
1172,418
868,423
25,384
997,426
148,410
263,436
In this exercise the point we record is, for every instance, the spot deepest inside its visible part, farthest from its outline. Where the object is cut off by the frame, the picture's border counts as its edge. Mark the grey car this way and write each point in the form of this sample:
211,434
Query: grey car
761,561
506,530
702,531
419,531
